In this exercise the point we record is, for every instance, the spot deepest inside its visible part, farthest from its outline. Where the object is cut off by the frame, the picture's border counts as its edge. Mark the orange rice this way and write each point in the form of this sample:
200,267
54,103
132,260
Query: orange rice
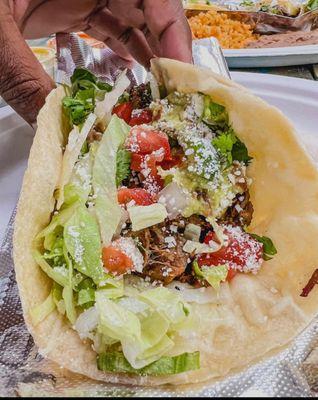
231,34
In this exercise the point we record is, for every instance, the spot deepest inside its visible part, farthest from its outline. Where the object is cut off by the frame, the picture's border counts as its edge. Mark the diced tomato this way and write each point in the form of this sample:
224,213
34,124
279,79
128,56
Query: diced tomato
147,166
124,111
142,117
136,162
231,274
139,161
147,141
176,159
240,248
115,261
140,196
211,236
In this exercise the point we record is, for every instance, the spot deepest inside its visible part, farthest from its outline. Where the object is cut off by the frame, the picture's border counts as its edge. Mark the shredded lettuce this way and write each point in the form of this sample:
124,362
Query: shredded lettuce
57,274
143,324
82,241
213,275
116,362
167,302
107,208
214,114
123,165
103,109
115,321
79,186
76,140
67,292
144,216
81,97
40,312
86,297
112,288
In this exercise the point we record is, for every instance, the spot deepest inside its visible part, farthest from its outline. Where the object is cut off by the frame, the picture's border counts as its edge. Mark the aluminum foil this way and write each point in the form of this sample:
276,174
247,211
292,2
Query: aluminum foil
23,372
266,23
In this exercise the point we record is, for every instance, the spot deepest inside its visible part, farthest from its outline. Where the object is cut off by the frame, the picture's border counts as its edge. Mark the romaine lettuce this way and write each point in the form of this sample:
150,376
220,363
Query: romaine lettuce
116,362
76,140
82,241
213,275
67,292
144,216
107,208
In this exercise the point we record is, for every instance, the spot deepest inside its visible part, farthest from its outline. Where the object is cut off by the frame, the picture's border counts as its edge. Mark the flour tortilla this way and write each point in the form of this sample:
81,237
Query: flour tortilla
254,315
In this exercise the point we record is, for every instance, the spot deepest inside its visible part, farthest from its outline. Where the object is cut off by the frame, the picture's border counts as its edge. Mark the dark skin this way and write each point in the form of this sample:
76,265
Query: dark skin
134,29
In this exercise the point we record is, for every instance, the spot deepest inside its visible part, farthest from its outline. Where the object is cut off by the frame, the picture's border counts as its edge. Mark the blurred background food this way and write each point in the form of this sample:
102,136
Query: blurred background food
88,39
231,34
290,8
46,56
240,24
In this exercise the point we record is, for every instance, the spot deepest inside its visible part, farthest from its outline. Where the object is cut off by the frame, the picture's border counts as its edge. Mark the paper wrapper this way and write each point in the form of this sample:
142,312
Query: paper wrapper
24,372
262,22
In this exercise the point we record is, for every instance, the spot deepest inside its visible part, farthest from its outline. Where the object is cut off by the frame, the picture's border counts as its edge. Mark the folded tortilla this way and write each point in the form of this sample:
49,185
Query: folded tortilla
254,315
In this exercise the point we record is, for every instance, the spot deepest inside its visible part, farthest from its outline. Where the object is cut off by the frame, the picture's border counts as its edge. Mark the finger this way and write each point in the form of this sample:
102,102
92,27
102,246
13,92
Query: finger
43,18
118,48
167,22
24,84
105,23
152,41
129,10
136,43
113,44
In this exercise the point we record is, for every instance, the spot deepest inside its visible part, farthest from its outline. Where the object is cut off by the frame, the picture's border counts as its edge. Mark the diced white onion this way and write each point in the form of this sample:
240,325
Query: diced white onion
192,232
174,198
197,248
86,323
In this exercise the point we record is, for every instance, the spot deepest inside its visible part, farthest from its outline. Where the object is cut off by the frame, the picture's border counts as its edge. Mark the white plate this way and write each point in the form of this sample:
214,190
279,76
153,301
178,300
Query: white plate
297,98
272,57
15,142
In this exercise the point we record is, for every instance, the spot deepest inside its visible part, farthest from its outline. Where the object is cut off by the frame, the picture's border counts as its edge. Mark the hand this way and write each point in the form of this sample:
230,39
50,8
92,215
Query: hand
24,84
139,29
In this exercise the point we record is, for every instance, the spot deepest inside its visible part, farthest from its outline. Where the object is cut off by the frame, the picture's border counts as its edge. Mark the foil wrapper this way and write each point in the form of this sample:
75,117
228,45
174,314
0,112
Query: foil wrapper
265,23
292,372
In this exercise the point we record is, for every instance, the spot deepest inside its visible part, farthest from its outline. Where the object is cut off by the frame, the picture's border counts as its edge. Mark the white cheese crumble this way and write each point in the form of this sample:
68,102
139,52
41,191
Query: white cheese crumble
128,246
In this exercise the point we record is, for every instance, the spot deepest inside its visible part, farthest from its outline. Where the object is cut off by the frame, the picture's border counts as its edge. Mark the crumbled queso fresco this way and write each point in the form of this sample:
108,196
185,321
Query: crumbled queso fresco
248,254
128,246
78,247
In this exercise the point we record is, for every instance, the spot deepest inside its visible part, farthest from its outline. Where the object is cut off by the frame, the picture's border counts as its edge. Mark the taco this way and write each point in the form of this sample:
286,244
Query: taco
165,232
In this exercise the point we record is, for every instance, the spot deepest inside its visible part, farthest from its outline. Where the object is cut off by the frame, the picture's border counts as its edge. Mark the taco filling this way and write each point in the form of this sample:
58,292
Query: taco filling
152,202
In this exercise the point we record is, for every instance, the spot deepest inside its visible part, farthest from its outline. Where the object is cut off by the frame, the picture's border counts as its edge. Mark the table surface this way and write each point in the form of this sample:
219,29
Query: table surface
300,71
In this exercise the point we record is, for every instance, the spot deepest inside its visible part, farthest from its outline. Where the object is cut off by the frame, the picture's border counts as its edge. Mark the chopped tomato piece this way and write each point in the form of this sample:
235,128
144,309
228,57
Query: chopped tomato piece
176,159
140,196
140,162
169,164
136,162
115,261
143,140
241,251
211,236
140,117
123,111
231,274
147,166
